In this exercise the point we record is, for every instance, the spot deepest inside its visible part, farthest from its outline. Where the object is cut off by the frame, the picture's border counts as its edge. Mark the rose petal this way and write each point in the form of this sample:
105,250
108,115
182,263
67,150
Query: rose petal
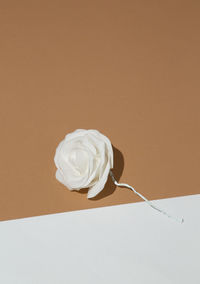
107,142
95,189
77,133
60,178
57,155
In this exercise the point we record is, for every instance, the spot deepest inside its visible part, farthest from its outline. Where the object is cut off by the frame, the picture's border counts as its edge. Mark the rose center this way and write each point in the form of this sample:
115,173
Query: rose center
79,160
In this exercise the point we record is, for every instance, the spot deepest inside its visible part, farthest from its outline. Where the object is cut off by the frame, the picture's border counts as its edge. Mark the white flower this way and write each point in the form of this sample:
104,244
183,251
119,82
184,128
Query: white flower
83,160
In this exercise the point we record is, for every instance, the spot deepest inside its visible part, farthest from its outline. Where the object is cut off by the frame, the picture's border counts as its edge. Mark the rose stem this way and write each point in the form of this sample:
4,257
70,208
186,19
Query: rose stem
180,220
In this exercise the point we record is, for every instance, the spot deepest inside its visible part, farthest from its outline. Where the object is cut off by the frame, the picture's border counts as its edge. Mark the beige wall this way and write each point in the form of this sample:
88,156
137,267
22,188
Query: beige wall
127,68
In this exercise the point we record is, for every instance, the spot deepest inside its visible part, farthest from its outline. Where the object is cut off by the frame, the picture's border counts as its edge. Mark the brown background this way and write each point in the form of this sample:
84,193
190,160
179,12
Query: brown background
127,68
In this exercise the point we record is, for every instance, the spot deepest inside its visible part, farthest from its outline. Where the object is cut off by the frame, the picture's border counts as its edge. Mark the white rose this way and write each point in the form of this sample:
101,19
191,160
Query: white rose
83,160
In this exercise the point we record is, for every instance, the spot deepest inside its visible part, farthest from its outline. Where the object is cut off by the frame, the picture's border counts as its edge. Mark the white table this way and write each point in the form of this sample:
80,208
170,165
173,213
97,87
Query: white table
123,244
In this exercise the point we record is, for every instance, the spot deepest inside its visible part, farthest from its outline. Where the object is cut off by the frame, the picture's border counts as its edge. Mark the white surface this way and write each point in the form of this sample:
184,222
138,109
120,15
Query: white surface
120,244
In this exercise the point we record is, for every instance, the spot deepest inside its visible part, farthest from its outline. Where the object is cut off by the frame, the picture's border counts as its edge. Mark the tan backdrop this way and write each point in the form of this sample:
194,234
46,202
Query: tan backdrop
127,68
